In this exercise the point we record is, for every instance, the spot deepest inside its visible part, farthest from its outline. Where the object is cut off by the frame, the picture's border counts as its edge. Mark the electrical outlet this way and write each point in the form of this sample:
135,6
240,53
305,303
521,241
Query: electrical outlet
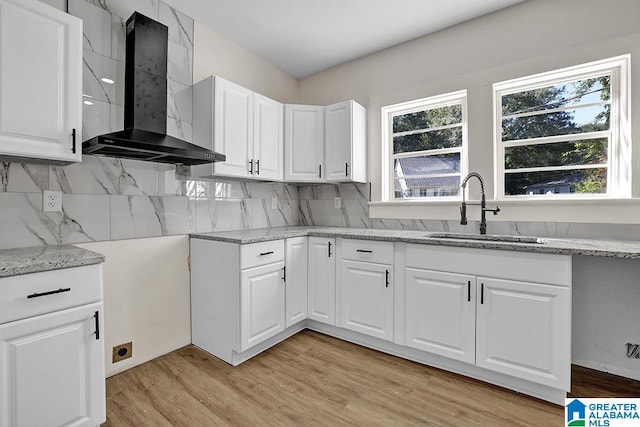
274,203
121,352
337,202
52,201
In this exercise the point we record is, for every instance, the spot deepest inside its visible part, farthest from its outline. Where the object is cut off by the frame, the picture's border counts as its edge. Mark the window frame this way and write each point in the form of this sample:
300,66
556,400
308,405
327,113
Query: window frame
619,134
431,102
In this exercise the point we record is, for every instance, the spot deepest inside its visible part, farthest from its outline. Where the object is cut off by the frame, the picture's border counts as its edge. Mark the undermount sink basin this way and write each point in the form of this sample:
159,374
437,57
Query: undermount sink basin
488,237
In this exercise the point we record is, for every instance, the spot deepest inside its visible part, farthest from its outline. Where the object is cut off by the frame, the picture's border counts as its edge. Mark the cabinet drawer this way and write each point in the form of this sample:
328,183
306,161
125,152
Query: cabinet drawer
39,293
368,251
255,254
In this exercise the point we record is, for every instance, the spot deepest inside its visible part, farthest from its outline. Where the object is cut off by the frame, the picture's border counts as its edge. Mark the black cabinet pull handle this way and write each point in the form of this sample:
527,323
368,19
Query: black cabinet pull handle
73,140
284,274
251,167
96,316
266,253
319,171
44,294
364,251
329,247
346,169
257,167
482,293
469,291
386,278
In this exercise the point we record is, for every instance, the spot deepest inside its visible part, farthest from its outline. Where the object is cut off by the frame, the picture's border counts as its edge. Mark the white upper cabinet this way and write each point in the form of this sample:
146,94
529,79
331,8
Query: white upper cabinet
223,122
243,125
268,151
40,83
304,143
346,142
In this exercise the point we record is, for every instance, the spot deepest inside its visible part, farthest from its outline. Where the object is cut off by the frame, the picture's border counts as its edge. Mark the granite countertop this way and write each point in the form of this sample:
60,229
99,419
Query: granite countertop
43,258
602,248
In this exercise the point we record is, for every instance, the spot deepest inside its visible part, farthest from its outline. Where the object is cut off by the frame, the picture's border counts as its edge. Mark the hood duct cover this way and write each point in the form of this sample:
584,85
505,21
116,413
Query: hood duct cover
145,104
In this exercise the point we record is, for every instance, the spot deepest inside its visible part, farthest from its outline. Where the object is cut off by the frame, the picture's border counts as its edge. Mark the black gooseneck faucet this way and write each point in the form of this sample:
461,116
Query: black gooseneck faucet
483,204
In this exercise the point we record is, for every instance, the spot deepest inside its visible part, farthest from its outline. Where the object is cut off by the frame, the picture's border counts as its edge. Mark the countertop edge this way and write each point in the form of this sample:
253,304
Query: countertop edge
16,262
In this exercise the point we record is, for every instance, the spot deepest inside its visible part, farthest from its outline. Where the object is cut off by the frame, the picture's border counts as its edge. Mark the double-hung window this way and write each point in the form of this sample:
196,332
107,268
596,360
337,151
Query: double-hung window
425,147
564,133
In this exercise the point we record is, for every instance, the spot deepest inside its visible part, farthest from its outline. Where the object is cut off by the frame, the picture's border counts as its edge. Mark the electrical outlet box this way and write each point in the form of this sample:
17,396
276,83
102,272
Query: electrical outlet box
274,203
52,201
337,202
122,352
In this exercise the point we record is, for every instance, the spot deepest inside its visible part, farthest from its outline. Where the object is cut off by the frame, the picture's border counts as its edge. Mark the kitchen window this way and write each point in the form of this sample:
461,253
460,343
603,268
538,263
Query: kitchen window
565,133
425,147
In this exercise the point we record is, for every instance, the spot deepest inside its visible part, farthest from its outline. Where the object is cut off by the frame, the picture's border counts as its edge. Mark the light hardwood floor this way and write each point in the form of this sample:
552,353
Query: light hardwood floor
313,379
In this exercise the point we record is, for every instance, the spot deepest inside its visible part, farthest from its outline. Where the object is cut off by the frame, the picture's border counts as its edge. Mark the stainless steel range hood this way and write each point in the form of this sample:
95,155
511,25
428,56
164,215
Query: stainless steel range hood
145,104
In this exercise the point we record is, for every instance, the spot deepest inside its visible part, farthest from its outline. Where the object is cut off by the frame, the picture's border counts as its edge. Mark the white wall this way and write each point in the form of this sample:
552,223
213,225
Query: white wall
146,297
214,54
531,37
606,314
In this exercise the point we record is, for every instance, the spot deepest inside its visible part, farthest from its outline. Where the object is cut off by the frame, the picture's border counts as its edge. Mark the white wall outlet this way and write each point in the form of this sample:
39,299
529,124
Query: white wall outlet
52,201
337,202
274,203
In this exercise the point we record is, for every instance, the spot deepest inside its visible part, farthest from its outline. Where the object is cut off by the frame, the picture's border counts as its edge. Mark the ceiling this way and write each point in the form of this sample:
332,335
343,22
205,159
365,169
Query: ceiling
303,37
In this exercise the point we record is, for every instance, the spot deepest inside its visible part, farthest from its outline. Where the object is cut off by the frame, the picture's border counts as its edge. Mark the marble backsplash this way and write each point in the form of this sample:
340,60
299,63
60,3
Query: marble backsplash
110,199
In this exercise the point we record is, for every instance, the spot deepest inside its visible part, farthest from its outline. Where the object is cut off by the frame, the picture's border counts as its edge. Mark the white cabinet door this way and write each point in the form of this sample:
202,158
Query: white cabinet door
262,304
233,128
40,82
52,369
268,142
367,298
524,330
296,254
304,143
321,285
440,313
345,142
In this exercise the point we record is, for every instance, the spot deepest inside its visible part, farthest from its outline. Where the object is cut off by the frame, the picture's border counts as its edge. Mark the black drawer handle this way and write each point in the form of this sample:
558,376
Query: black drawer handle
266,253
386,278
329,248
364,251
44,294
469,291
482,293
73,140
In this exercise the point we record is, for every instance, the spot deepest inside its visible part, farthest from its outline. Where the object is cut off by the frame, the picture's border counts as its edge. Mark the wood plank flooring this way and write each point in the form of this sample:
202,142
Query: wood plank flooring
312,379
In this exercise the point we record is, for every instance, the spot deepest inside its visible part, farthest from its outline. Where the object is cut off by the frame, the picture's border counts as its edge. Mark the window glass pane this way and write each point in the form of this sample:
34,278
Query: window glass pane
582,181
444,138
557,96
584,152
428,119
427,176
589,119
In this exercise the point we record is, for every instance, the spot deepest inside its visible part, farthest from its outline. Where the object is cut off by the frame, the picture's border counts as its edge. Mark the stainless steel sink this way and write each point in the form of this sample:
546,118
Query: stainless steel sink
487,237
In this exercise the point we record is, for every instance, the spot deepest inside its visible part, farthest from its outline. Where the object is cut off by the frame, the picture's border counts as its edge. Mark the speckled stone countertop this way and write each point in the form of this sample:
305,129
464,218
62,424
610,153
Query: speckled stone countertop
602,248
43,258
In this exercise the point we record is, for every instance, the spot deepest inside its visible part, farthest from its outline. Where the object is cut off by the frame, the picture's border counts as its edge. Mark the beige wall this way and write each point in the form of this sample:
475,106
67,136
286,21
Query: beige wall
528,38
146,301
214,54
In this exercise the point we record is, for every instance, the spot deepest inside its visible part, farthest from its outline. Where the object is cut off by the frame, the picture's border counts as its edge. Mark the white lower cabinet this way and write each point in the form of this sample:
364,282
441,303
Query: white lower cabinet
52,370
524,330
296,254
367,298
321,284
441,313
261,304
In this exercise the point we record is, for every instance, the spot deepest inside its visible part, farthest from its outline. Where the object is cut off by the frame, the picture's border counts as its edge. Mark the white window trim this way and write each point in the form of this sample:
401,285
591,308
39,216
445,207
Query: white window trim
451,98
619,155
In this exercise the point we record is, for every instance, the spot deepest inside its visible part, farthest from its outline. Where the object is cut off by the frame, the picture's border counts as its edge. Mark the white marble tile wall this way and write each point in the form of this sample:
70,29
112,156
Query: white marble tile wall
317,208
109,199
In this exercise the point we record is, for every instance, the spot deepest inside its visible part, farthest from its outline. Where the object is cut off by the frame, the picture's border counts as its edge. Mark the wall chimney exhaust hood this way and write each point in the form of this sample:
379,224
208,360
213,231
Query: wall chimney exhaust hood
145,104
